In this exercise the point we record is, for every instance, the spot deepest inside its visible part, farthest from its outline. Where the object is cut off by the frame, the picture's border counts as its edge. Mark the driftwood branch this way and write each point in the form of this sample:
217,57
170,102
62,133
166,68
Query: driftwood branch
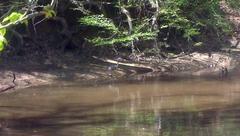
133,65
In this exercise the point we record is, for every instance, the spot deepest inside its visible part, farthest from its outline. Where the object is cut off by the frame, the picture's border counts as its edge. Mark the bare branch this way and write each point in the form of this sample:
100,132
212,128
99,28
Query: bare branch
6,14
129,19
54,3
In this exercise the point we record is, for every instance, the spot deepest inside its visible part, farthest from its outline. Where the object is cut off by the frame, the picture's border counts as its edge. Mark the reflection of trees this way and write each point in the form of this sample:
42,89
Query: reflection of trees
178,123
137,116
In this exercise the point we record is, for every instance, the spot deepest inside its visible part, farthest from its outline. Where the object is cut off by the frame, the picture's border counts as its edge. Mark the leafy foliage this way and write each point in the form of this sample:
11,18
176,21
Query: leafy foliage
12,18
117,36
123,22
188,18
123,39
234,4
3,31
171,18
99,21
49,12
3,42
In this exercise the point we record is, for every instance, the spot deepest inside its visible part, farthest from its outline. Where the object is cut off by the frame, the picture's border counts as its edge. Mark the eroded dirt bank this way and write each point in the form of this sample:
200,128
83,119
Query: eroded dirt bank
19,73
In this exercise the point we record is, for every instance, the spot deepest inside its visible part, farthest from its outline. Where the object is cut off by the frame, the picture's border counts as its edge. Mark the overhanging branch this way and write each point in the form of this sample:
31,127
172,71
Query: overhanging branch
26,17
129,19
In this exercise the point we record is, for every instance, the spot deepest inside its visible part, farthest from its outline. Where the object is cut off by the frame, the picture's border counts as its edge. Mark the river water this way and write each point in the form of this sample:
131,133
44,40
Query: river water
163,107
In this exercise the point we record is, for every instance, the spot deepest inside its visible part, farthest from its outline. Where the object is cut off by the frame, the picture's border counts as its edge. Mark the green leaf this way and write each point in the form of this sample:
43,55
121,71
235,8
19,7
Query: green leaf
198,44
99,21
3,42
3,31
13,17
123,39
49,12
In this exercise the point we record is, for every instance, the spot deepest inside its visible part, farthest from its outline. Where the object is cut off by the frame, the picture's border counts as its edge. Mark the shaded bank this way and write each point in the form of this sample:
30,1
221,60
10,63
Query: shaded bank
18,73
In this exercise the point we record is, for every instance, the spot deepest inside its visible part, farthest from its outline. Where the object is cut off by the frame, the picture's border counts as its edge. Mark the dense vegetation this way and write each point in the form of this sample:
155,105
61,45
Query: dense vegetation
154,26
234,3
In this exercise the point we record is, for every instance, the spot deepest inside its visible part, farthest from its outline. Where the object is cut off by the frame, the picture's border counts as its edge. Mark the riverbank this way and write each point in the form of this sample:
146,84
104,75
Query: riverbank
17,73
45,62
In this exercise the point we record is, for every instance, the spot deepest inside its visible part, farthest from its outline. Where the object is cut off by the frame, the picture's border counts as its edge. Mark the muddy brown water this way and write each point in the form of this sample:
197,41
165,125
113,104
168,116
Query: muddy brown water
173,107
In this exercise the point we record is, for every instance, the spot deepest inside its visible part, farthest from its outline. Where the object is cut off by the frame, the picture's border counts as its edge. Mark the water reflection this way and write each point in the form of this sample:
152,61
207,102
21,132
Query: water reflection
193,107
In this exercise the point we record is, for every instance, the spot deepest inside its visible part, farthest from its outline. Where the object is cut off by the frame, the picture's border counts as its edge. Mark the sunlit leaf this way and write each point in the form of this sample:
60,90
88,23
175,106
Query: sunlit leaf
99,21
49,12
198,44
3,31
13,17
3,42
